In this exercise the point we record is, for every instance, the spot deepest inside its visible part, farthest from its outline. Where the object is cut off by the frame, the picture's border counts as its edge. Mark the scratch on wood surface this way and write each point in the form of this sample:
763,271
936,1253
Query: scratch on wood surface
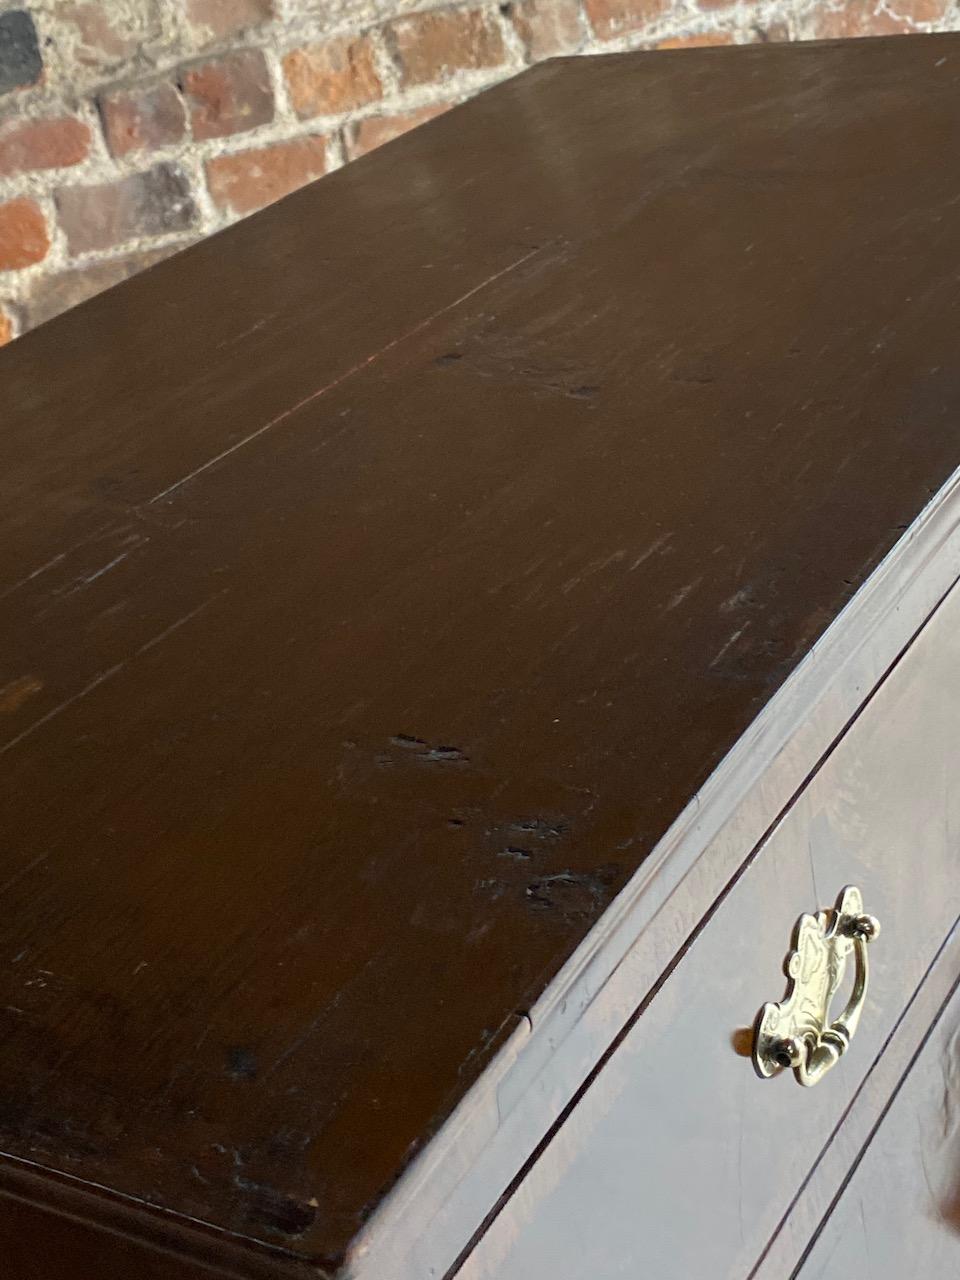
15,586
245,333
676,600
58,559
18,875
329,1007
733,640
85,579
654,546
595,566
98,573
68,702
175,626
106,675
343,377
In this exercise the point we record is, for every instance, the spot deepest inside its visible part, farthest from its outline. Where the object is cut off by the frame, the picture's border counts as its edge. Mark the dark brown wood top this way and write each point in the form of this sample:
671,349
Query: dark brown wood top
382,576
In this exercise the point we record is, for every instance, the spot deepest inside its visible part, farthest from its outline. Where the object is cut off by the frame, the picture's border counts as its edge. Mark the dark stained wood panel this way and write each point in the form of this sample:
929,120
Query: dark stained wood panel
382,577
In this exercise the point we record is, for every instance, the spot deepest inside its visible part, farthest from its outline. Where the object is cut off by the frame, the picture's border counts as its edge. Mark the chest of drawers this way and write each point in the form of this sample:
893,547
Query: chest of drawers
454,623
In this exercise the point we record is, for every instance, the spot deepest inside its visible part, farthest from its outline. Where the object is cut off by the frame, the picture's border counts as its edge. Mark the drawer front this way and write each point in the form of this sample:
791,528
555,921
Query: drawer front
678,1158
899,1214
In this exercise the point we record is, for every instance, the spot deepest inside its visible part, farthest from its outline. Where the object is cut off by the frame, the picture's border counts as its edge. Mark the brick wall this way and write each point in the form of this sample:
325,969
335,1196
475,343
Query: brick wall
129,128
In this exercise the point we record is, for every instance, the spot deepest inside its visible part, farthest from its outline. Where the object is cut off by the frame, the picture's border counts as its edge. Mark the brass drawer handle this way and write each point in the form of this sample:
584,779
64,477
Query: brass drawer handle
796,1032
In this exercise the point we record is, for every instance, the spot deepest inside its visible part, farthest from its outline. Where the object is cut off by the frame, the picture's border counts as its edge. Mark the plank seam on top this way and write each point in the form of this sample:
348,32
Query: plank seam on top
343,377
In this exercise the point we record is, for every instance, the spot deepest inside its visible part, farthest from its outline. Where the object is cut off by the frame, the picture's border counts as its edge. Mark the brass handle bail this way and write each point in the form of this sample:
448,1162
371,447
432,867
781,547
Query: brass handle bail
796,1033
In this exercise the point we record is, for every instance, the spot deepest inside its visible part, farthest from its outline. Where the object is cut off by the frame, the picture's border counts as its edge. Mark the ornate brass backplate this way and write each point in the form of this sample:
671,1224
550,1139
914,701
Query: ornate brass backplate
797,1032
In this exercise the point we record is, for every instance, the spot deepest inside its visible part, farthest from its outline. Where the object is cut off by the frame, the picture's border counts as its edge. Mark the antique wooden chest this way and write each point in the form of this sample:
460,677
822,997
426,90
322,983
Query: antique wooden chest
454,625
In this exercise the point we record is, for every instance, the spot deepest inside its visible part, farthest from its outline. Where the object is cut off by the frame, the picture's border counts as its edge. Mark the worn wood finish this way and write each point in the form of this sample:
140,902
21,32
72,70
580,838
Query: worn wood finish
900,1214
370,613
678,1154
36,1244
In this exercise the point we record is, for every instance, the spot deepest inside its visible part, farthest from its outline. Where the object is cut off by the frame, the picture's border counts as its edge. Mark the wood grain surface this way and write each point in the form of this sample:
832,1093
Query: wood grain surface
382,576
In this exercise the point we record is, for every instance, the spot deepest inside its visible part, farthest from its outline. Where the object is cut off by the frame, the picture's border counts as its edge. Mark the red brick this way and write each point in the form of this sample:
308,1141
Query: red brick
327,78
858,18
6,326
142,118
366,135
702,40
145,204
611,19
429,46
547,27
214,19
23,234
26,145
228,95
249,180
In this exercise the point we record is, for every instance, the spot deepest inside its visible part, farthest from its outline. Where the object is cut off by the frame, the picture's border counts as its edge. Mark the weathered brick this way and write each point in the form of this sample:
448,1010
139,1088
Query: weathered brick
23,234
430,46
366,135
611,19
102,35
49,295
142,118
858,18
339,75
547,27
249,180
20,61
145,204
700,40
228,95
28,145
6,326
215,19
